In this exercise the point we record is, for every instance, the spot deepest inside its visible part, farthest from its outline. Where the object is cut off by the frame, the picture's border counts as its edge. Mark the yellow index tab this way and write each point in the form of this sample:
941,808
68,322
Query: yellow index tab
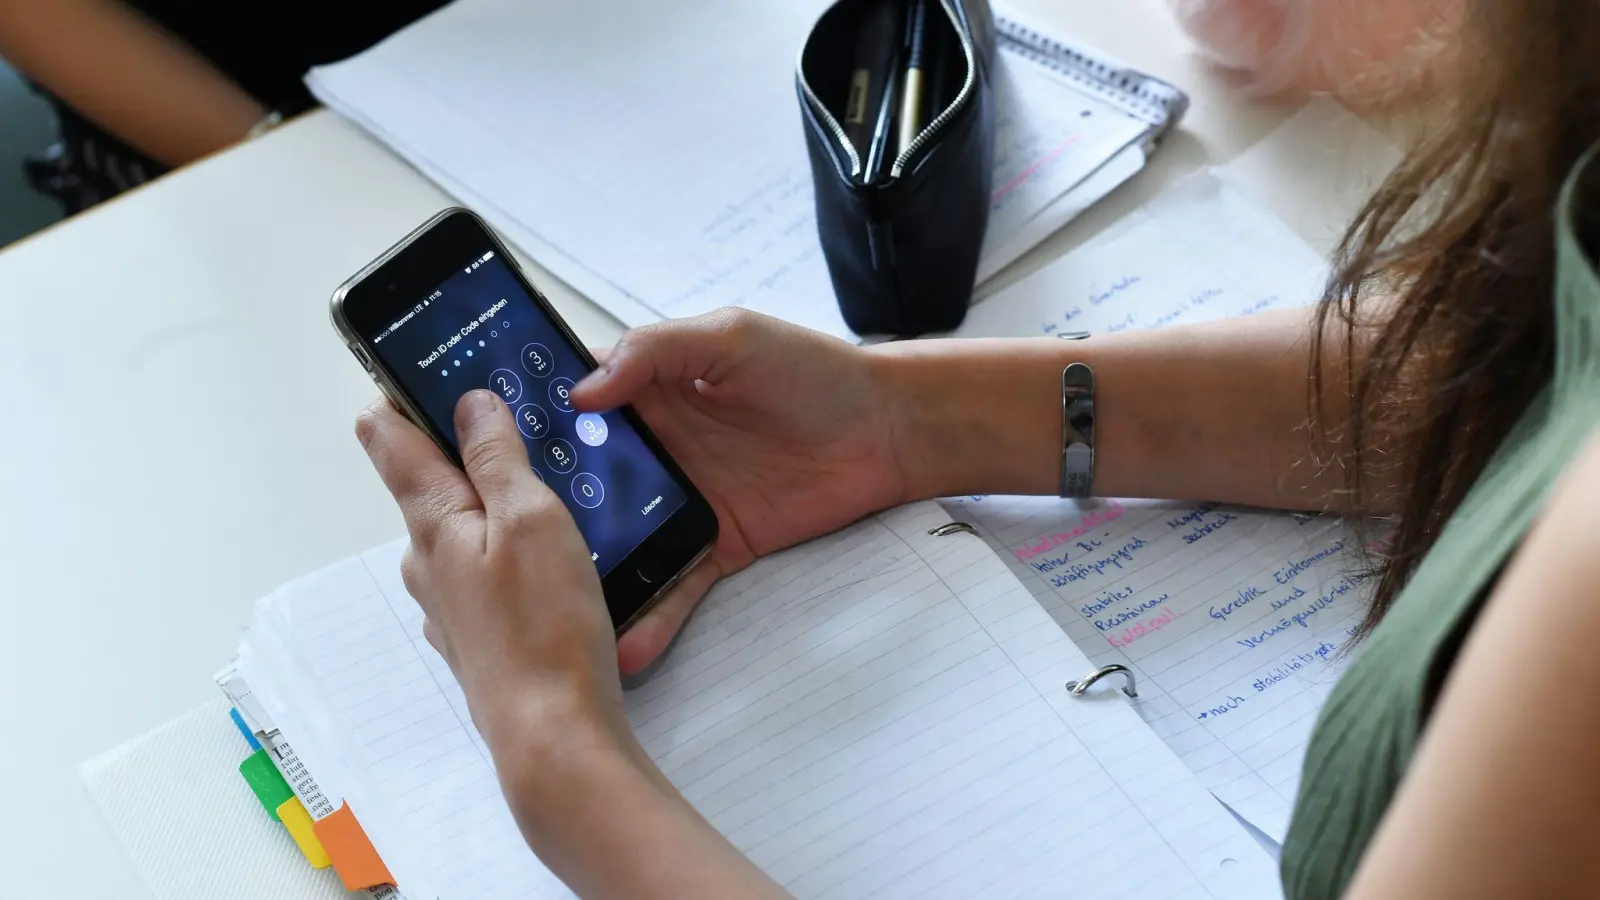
294,817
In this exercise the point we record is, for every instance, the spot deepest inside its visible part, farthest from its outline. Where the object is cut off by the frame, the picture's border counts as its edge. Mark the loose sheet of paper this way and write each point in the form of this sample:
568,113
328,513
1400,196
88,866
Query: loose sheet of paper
658,150
1233,620
877,713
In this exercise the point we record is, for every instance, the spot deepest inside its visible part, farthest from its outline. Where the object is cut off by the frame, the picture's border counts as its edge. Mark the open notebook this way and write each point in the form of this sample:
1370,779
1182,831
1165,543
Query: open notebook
1235,620
880,712
651,154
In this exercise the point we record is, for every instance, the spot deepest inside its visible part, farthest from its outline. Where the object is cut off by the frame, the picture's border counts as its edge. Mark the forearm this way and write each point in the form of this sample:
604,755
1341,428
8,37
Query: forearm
601,816
1216,412
130,77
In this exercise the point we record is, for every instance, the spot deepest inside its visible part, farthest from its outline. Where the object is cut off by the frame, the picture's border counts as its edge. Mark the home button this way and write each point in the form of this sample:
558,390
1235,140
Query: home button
649,573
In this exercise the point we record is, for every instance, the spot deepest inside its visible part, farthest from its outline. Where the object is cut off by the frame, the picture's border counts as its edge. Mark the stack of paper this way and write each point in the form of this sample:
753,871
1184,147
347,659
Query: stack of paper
880,712
651,154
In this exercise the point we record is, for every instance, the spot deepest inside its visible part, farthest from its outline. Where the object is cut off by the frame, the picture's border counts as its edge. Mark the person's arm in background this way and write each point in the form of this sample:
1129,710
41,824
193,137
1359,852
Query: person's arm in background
129,76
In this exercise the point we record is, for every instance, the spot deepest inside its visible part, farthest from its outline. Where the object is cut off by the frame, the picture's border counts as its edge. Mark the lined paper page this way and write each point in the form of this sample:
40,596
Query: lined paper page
1236,648
878,713
1233,620
659,148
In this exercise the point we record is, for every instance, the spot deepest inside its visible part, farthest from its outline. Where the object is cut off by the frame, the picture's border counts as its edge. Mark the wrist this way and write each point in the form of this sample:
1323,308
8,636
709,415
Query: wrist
546,744
896,376
977,416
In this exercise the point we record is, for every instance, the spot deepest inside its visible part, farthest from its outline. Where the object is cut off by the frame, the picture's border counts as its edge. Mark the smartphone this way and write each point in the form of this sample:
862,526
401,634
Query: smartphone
448,310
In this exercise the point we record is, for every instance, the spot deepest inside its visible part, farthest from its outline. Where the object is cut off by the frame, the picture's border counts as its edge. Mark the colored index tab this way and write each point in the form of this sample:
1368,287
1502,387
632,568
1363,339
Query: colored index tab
294,817
354,857
267,782
244,729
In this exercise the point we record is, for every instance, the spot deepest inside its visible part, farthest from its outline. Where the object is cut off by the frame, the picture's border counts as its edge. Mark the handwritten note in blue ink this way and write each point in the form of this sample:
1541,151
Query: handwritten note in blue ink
1232,619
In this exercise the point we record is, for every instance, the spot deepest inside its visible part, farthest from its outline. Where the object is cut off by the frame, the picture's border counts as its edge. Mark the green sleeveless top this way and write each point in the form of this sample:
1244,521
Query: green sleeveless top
1369,728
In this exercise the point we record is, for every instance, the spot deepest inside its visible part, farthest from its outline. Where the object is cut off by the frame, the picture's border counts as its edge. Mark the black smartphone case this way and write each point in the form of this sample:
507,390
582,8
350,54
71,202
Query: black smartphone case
902,252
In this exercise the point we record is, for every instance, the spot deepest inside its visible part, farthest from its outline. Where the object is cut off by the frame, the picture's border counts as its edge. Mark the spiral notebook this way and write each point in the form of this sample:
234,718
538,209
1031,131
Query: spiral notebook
882,711
651,155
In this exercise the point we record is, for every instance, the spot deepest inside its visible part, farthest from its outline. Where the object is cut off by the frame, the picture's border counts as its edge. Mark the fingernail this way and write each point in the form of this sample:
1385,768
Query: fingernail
477,405
366,427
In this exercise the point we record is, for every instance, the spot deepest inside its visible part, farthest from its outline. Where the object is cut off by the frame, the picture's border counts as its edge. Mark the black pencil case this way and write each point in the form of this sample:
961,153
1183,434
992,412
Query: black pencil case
903,249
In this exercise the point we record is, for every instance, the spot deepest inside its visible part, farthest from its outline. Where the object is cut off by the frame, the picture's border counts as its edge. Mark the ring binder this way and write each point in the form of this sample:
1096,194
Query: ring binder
952,528
1077,688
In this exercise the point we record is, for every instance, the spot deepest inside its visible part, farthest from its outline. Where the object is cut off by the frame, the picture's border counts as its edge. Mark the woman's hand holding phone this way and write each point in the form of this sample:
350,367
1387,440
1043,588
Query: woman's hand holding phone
513,601
515,606
790,434
787,432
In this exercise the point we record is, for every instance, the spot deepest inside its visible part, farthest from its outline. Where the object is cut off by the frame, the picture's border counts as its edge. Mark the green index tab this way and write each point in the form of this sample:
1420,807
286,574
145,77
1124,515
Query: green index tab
265,779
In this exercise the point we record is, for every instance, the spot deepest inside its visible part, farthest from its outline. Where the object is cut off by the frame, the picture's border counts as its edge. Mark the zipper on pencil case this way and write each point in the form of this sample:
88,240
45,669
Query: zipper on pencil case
927,134
828,119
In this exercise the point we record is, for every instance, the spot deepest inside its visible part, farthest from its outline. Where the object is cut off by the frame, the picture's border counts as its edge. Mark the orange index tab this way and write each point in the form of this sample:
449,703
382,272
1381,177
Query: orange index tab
354,857
294,817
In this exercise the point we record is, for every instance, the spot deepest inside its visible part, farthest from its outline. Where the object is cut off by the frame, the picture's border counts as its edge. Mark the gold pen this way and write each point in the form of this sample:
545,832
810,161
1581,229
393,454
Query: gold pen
911,95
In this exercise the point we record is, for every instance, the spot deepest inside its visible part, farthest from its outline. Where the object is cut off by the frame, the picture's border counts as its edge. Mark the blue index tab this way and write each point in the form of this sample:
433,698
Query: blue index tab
249,736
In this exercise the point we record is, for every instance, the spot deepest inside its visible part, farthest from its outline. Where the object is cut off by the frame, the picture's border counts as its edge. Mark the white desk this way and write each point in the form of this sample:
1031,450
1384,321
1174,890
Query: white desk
178,414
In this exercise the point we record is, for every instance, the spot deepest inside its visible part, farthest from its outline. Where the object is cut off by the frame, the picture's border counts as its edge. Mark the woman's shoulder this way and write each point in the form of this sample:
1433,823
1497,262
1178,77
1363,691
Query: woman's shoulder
1570,515
1541,496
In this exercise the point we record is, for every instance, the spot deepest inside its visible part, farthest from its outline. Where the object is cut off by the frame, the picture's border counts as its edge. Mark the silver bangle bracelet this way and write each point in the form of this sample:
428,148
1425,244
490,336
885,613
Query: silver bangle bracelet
1077,431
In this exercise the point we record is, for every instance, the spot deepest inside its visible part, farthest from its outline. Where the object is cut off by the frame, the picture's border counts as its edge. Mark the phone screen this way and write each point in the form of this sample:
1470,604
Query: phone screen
480,328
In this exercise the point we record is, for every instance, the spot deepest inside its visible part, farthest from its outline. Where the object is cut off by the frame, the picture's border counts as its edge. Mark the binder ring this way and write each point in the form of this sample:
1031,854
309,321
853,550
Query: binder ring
1077,688
952,528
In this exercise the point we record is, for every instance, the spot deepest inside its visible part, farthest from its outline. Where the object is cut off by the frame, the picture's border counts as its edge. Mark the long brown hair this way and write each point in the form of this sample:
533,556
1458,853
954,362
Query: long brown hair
1440,316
